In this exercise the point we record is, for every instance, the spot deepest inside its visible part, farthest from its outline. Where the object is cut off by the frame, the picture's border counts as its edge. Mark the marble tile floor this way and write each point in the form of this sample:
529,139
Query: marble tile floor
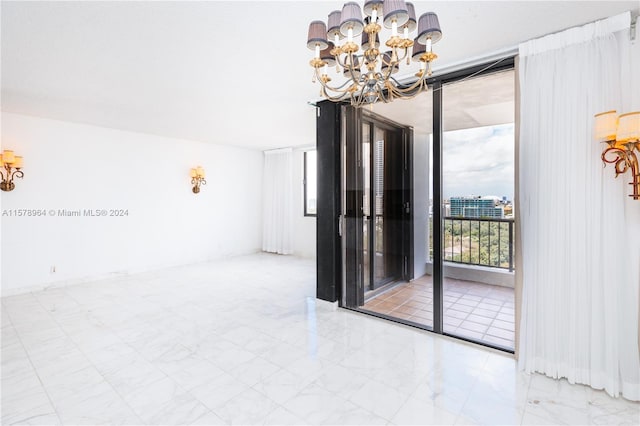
477,311
243,341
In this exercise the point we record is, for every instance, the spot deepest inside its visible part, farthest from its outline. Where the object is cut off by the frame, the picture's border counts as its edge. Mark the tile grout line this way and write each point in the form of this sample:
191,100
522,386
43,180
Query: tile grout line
84,354
33,366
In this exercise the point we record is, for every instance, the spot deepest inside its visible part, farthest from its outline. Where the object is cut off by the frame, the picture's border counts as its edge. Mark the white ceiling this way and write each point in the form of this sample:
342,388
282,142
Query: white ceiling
475,102
222,72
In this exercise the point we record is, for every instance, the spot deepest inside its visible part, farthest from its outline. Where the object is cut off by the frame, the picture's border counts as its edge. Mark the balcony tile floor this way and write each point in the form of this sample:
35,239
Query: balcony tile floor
473,310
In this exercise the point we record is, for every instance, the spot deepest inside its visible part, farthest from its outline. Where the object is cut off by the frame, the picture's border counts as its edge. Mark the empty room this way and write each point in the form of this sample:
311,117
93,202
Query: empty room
319,212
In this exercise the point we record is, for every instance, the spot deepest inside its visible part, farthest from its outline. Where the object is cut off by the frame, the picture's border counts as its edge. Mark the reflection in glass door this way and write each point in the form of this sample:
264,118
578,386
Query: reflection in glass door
376,213
366,207
379,268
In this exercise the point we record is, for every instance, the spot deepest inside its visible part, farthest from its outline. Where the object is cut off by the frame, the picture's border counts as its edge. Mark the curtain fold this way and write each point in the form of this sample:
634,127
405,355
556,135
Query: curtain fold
277,203
581,265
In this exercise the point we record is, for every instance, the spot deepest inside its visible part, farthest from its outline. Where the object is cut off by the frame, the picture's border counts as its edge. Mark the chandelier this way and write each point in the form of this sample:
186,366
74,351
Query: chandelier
368,70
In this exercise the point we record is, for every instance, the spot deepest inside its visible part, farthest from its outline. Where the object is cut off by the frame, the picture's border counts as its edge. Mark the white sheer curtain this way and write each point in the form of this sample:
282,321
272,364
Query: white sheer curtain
277,203
580,231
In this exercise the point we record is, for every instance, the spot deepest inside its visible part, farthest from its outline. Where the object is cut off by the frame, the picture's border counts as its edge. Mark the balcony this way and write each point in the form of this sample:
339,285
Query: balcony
478,284
479,241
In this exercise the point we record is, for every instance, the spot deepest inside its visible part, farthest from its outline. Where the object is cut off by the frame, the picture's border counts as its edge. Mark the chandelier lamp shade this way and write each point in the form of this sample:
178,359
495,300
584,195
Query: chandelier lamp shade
366,67
621,133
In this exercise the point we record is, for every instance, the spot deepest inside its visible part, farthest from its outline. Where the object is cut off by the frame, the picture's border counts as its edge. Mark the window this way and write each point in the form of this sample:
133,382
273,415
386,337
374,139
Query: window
310,183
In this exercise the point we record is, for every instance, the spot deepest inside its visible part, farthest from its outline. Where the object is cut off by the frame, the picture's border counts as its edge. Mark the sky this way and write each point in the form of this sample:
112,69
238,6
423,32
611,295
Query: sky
479,161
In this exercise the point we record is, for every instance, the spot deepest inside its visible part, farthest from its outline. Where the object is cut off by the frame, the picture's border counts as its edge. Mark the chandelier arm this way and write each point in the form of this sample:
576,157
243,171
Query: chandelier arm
356,80
410,95
333,98
343,64
338,89
385,96
418,83
387,74
382,61
404,56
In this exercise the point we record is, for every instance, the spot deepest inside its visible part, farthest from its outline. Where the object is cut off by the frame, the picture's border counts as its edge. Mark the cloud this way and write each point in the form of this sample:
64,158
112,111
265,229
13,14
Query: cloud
479,161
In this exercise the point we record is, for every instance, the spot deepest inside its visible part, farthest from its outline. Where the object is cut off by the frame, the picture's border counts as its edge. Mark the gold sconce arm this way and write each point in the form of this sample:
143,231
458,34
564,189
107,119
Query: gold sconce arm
624,158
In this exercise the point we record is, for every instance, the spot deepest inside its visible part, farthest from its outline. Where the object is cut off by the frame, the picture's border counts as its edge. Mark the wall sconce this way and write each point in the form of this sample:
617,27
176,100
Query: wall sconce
622,135
12,165
197,179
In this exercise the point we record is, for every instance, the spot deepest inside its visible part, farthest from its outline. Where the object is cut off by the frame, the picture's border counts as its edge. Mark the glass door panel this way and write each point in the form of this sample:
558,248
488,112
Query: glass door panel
366,206
381,275
478,187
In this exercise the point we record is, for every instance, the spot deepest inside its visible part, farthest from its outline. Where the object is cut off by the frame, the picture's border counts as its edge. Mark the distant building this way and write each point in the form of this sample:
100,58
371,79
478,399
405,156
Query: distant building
475,207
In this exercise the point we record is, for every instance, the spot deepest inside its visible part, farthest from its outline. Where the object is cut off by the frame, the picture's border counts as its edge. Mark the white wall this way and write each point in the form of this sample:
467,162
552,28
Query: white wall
72,166
304,227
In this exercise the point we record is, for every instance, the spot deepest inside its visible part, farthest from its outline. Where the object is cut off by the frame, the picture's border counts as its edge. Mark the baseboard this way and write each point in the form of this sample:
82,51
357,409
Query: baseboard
326,305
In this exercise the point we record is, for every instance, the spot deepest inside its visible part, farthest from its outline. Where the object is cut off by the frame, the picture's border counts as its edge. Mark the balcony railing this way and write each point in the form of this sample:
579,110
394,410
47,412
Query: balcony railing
479,241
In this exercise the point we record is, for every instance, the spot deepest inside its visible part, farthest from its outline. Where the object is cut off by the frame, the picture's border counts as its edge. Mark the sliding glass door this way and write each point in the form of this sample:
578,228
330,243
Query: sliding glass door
428,232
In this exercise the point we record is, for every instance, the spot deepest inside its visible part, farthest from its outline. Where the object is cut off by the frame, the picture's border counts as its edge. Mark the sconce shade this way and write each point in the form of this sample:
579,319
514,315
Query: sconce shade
429,27
395,10
628,127
333,25
369,5
17,163
8,157
193,173
200,171
317,35
605,126
411,24
351,17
